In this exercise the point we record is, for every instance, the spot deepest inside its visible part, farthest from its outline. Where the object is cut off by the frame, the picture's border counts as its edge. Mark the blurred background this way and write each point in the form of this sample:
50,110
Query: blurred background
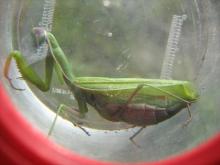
170,39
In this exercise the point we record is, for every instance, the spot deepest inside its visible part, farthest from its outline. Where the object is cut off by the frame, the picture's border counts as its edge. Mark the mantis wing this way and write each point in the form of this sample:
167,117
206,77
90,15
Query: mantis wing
125,86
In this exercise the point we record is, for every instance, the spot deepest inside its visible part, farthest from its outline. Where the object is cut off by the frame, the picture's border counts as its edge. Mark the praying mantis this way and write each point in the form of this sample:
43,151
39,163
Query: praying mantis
136,101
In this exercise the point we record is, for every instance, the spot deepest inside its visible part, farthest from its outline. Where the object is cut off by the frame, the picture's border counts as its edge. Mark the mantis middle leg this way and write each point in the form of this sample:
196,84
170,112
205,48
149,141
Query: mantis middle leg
63,107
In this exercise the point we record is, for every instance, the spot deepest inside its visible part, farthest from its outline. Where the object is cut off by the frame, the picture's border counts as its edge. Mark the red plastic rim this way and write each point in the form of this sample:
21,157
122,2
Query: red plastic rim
21,144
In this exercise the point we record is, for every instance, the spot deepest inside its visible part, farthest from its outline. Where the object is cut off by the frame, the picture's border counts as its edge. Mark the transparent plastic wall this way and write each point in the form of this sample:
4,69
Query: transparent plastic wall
170,39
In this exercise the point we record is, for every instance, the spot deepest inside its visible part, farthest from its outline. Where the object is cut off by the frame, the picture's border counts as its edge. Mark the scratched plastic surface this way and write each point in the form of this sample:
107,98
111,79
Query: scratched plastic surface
169,39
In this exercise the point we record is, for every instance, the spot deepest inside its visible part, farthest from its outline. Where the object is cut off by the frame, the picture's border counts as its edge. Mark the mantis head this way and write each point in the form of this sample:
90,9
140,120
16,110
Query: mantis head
40,35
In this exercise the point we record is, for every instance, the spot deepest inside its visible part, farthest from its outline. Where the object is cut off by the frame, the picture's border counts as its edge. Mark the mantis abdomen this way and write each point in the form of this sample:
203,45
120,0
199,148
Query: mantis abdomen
138,114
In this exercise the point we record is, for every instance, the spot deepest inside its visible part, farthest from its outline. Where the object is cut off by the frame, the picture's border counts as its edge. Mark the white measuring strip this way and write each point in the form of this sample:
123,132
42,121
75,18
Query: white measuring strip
172,46
46,22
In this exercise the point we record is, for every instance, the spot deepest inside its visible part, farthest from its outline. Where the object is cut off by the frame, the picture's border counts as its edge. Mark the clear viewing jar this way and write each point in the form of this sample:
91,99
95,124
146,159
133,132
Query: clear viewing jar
151,39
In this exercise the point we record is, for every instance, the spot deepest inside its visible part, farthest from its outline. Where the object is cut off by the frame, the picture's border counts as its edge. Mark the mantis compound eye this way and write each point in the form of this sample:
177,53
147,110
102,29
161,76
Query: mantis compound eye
39,34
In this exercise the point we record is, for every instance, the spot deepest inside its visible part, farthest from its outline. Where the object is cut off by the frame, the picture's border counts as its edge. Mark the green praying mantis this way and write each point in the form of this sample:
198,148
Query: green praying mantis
136,101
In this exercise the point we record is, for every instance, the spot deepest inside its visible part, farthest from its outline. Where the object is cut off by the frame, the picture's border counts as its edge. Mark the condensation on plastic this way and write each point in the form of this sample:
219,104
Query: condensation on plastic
196,60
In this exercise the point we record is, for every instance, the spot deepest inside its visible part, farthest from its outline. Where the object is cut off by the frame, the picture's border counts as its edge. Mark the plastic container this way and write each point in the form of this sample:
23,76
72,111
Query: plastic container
152,39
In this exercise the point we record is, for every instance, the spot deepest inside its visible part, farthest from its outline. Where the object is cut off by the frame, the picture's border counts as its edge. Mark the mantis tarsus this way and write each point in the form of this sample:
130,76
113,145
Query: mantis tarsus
137,101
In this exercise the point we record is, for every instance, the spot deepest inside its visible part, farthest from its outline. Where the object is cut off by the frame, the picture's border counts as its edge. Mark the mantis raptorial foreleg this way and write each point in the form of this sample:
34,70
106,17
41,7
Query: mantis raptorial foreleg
28,73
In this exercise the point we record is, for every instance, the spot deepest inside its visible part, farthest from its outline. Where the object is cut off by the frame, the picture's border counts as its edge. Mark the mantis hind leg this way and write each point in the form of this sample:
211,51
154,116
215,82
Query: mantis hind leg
63,108
189,118
139,87
135,134
140,129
